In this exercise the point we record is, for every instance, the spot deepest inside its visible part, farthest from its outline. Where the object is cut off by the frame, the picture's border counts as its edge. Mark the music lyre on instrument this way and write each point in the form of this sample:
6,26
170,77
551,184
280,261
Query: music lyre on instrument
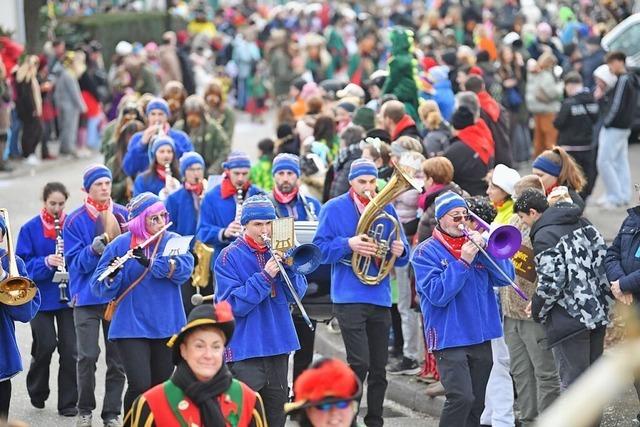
14,289
369,224
61,276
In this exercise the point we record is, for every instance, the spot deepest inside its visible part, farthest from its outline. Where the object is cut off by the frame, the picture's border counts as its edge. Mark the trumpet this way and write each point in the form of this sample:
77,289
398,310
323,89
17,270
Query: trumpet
61,276
119,262
14,289
515,287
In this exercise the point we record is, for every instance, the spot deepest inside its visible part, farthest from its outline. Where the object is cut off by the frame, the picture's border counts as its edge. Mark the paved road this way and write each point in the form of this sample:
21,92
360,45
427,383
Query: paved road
22,196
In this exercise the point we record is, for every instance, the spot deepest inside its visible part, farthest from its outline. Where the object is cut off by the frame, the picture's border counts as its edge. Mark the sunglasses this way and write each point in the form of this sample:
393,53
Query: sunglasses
157,219
341,404
458,218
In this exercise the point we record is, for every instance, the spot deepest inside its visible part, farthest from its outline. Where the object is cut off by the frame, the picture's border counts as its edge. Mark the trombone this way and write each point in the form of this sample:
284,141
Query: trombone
14,289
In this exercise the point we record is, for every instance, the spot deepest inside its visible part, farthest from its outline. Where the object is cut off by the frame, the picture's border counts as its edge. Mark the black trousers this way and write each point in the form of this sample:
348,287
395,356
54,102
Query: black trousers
365,332
464,373
302,358
147,363
187,291
267,376
396,326
45,341
587,161
5,399
31,135
575,355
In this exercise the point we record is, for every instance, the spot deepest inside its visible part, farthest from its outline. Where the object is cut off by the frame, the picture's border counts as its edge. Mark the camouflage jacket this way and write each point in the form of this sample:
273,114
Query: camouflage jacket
569,254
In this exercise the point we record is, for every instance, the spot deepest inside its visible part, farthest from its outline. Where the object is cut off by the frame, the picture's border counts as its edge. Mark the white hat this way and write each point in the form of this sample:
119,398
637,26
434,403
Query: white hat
604,73
510,38
505,178
124,48
351,90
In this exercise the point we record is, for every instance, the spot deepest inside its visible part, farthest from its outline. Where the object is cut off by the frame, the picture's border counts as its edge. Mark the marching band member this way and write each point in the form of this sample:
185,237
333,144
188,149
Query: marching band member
82,249
160,178
147,293
10,360
460,309
201,391
362,310
53,327
290,202
248,278
222,205
137,158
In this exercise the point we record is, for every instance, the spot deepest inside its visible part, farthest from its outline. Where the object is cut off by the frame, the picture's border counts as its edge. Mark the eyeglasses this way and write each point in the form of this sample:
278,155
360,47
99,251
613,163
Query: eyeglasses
341,404
458,218
159,218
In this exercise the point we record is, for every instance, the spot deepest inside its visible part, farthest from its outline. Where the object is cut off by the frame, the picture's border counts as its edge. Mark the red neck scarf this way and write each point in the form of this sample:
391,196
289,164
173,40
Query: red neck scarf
227,189
254,245
478,138
94,208
360,201
285,199
197,189
453,244
48,223
162,174
405,122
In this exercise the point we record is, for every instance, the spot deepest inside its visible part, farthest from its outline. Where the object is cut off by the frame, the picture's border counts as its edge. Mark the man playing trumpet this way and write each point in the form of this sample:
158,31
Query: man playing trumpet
362,310
461,316
250,280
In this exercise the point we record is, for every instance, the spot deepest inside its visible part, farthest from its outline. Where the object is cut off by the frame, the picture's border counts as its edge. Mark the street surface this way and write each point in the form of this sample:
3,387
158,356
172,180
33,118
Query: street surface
21,195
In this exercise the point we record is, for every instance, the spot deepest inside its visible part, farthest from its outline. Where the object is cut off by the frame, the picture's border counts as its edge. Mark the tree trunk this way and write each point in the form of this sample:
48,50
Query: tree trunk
32,24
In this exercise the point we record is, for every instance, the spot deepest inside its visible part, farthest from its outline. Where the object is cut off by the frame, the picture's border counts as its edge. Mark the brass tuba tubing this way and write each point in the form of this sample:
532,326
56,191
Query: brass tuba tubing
14,289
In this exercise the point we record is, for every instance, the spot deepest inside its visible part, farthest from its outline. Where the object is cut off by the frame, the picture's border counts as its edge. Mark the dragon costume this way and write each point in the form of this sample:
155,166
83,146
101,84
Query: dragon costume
403,71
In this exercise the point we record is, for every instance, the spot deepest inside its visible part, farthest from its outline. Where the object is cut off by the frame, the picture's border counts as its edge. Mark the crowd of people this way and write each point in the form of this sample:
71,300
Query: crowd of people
460,98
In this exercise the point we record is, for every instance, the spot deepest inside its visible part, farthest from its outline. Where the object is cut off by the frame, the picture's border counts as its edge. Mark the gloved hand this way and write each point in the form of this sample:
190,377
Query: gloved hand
99,244
117,270
141,257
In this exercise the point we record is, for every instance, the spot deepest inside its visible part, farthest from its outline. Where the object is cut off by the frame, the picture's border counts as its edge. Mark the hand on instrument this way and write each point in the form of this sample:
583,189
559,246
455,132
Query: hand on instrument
141,257
469,251
397,248
99,244
149,133
271,267
55,260
233,230
477,237
363,245
624,298
117,270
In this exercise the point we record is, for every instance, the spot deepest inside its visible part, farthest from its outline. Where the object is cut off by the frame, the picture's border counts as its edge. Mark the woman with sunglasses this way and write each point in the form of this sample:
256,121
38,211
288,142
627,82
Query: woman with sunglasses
147,293
326,394
162,176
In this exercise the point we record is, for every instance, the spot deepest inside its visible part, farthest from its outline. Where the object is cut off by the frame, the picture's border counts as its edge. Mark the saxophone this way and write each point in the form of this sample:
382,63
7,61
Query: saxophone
61,276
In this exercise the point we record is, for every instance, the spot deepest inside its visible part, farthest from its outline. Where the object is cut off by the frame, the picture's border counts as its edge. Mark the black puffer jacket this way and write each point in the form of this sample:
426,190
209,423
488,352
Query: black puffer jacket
346,156
622,262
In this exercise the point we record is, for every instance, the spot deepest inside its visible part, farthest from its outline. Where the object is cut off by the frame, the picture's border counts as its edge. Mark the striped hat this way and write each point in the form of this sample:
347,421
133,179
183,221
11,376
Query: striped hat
237,159
361,167
447,201
93,173
257,207
142,201
189,159
286,161
158,104
159,142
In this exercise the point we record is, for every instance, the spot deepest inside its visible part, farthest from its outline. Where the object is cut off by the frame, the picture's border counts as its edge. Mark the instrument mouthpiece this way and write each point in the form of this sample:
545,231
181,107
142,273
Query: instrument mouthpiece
196,299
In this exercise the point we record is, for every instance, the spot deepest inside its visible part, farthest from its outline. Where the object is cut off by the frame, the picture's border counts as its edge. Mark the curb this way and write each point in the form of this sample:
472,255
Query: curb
402,389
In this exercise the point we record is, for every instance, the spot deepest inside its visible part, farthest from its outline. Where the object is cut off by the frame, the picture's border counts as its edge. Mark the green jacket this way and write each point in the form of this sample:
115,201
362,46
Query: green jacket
260,174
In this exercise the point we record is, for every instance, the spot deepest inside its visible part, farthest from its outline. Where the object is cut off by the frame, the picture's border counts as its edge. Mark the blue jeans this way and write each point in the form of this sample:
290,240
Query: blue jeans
613,164
14,135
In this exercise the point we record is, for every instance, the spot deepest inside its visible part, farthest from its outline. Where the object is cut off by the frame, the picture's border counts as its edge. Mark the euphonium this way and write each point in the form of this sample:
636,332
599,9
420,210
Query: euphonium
14,289
369,223
200,275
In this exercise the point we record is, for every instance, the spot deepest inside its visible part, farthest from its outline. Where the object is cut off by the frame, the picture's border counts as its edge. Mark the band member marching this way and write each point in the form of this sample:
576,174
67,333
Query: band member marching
290,202
160,178
363,311
137,158
147,295
40,245
222,205
250,280
460,311
10,360
201,391
85,239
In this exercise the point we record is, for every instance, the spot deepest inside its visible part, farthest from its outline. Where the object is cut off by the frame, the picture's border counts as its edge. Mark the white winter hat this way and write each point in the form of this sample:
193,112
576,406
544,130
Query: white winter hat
604,74
124,48
505,178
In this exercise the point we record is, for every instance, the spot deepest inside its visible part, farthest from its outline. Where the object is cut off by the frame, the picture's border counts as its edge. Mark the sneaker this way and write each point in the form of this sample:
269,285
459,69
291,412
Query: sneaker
405,367
84,421
32,160
113,422
334,326
37,403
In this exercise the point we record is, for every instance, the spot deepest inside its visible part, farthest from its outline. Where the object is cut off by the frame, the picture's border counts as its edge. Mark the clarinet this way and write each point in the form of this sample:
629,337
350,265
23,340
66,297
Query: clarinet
61,275
311,210
239,200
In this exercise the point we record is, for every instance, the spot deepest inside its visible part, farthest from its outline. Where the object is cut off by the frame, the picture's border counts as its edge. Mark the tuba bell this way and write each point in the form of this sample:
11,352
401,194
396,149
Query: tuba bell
401,181
14,289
